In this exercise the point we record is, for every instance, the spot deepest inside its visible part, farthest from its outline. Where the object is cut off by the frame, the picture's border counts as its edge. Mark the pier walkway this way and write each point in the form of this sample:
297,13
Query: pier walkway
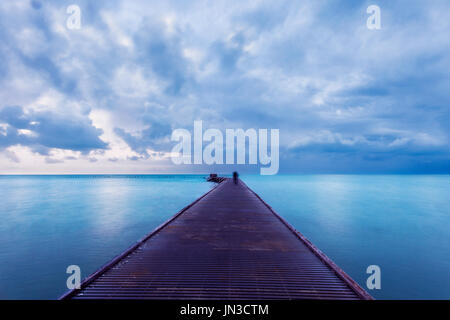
228,244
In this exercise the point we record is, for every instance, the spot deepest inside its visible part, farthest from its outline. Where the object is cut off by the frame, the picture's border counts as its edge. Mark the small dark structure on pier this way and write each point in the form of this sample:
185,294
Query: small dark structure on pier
214,178
228,244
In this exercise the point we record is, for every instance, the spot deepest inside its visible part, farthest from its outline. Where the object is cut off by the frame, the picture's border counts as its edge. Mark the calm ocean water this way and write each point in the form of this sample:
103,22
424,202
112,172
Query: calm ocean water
399,222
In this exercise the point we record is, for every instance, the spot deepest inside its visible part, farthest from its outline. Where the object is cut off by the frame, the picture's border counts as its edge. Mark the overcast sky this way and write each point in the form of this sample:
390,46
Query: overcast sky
105,98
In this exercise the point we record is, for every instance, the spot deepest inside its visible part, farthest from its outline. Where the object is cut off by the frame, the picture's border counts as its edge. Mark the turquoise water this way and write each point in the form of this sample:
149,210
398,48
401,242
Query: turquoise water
49,223
400,223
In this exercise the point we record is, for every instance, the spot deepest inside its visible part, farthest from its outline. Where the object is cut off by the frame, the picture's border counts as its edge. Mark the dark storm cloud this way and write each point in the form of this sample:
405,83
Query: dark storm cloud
49,130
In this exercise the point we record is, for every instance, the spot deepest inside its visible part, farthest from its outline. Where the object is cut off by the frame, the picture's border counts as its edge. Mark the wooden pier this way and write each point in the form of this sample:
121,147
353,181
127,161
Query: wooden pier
228,244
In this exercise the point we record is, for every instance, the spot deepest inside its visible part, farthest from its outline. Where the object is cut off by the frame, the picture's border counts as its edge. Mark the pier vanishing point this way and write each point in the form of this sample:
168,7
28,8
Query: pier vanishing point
228,244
